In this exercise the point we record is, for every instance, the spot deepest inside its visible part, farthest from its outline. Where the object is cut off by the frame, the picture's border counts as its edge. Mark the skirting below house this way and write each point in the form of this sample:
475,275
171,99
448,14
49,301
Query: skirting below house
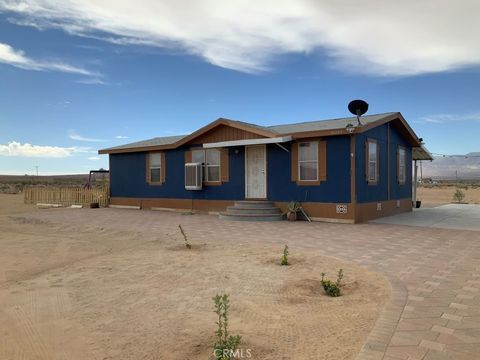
374,210
331,212
181,204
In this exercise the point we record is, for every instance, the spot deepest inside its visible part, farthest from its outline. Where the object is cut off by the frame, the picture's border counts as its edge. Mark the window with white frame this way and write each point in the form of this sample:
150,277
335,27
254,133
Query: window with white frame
402,169
372,175
210,159
155,163
308,161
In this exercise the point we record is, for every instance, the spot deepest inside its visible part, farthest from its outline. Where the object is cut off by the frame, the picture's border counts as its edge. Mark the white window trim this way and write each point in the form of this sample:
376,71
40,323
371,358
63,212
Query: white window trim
206,165
376,172
154,167
306,161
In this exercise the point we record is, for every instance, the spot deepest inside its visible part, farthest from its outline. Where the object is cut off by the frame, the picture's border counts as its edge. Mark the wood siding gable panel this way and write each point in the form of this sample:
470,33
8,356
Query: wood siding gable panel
224,133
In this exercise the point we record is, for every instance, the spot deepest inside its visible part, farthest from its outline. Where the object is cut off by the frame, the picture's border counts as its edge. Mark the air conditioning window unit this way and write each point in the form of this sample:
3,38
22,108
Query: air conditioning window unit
193,176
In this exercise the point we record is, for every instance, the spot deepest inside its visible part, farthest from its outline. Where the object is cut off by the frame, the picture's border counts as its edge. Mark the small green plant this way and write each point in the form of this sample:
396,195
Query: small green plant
458,196
293,208
185,238
333,288
226,344
284,258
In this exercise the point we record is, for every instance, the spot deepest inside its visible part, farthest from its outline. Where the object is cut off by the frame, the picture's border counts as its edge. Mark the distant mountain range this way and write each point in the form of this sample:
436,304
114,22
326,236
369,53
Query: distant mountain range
449,167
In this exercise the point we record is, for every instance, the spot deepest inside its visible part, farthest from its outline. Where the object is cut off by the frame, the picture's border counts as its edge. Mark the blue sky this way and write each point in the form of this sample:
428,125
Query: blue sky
76,77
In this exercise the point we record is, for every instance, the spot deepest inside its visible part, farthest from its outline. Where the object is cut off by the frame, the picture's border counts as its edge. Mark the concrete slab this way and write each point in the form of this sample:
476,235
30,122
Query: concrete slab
450,216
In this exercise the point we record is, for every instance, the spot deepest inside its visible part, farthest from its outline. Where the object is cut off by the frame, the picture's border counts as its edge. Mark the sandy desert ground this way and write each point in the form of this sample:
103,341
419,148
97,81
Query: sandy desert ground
73,290
438,195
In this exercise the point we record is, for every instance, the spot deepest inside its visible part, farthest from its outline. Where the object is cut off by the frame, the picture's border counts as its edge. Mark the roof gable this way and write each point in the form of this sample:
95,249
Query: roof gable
224,129
230,130
224,133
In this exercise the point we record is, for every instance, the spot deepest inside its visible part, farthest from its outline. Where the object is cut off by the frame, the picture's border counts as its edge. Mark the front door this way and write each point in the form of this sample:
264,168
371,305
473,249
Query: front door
255,172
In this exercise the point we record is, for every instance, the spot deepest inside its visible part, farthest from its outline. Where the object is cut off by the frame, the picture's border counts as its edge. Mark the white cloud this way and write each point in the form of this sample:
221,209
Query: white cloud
72,134
448,118
121,137
92,81
17,58
14,148
94,158
374,36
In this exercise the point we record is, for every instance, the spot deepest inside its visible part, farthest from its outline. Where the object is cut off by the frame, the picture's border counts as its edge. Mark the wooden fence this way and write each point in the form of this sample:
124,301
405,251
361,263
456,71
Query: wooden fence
66,196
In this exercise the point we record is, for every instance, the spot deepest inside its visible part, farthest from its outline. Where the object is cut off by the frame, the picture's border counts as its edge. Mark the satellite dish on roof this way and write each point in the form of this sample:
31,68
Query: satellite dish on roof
358,108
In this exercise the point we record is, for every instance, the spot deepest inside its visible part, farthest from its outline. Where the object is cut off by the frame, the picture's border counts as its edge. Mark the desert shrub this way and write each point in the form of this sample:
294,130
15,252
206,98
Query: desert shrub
284,258
333,288
458,196
226,344
185,238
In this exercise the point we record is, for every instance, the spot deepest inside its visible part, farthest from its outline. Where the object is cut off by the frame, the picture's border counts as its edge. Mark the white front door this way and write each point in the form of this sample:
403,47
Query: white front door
255,172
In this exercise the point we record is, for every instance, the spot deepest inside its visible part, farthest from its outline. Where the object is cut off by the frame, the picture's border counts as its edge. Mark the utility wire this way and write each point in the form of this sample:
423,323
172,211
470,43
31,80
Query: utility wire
457,156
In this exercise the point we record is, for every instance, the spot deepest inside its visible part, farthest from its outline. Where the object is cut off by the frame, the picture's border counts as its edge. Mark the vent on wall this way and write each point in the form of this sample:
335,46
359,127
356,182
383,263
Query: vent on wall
342,209
193,176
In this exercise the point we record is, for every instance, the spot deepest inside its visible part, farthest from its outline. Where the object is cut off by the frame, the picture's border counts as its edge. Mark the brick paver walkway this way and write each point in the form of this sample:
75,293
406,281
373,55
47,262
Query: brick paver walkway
434,312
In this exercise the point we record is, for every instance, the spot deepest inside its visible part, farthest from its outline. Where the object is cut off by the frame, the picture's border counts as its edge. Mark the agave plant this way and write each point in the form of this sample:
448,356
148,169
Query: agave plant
292,209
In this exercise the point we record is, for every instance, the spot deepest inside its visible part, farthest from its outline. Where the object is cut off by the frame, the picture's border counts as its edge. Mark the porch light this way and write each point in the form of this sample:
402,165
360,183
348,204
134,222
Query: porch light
350,128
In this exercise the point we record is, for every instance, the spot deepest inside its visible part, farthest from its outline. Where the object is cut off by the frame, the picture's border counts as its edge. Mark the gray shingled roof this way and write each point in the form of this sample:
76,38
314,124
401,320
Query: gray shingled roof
331,124
165,140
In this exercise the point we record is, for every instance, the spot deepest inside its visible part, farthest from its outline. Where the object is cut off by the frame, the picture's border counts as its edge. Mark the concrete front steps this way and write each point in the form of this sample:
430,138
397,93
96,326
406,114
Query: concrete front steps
253,210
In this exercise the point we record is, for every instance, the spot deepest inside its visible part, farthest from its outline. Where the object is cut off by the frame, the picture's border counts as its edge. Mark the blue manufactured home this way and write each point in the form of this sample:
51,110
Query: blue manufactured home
340,170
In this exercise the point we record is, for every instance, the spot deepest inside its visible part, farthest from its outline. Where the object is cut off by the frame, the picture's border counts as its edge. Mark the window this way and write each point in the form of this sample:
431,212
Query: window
210,159
308,161
372,161
155,163
402,174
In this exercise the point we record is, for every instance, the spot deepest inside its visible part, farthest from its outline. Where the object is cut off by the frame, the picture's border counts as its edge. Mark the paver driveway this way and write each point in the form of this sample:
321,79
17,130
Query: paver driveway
434,312
449,216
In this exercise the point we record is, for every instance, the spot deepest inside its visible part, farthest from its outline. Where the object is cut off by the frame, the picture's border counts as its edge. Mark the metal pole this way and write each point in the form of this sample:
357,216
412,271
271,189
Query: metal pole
37,169
415,169
421,172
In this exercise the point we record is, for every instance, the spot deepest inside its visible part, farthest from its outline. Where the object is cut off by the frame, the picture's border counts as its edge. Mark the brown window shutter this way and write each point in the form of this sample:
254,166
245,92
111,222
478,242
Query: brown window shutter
188,156
224,165
162,168
322,160
147,167
294,154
